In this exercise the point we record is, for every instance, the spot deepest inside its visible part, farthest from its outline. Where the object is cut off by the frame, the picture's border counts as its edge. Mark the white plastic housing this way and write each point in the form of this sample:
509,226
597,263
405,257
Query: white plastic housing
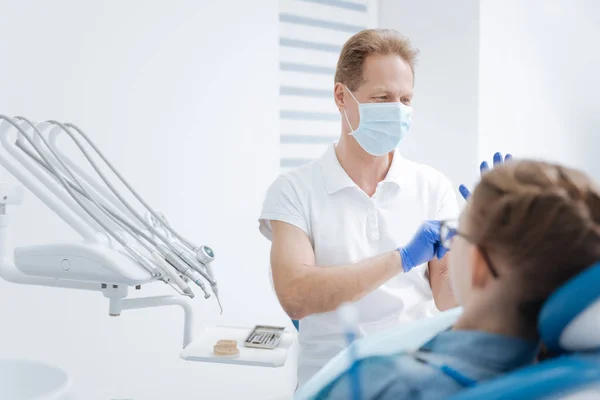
85,262
11,194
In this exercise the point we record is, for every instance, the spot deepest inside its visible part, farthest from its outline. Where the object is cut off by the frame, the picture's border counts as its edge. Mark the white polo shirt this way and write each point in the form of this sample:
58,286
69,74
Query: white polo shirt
345,226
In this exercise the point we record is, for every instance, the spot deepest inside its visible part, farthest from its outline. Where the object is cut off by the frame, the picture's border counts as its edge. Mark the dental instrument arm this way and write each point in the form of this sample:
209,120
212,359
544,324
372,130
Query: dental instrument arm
183,252
160,259
191,246
142,260
123,222
97,186
117,174
80,192
155,264
44,177
64,212
126,226
124,181
117,251
118,195
205,256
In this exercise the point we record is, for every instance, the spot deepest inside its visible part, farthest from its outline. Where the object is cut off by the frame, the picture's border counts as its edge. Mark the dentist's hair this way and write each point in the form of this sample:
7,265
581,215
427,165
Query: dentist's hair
368,42
539,223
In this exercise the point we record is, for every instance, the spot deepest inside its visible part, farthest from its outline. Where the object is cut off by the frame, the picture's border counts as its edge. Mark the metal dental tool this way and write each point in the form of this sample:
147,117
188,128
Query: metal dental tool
164,250
119,250
203,258
86,207
182,255
206,256
183,240
105,217
126,226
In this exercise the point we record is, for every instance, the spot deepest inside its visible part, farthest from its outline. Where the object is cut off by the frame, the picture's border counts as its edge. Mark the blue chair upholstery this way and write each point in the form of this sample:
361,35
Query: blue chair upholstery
572,300
553,378
569,323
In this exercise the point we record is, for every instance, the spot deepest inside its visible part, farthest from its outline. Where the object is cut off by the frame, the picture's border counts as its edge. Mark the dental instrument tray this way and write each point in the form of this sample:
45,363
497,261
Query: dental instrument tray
264,337
202,348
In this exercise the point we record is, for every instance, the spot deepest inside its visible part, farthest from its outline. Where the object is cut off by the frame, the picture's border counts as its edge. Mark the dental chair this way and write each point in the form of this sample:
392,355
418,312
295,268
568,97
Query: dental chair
569,325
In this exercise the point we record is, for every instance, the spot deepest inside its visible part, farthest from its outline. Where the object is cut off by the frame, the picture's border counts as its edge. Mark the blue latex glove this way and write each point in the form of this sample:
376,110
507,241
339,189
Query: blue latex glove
483,168
423,247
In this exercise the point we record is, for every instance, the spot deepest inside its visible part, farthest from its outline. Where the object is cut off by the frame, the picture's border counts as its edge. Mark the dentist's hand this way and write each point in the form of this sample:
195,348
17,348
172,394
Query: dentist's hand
423,247
484,167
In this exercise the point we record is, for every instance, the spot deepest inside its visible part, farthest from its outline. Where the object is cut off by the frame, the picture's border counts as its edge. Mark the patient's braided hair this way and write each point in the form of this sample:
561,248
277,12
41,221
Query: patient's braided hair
539,223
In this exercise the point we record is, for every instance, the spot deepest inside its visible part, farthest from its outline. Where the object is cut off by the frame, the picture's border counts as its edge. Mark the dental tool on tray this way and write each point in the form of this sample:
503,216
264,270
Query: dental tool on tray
147,239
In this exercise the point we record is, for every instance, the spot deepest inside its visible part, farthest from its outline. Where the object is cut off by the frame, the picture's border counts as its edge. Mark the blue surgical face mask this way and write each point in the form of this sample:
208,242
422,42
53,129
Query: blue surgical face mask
382,125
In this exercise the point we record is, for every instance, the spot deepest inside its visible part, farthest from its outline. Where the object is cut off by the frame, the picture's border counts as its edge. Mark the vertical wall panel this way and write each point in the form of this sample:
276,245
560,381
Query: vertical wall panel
311,36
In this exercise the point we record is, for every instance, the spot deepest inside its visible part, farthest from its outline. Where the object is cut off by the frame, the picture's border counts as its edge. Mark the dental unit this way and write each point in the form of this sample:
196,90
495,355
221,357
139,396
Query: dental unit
123,246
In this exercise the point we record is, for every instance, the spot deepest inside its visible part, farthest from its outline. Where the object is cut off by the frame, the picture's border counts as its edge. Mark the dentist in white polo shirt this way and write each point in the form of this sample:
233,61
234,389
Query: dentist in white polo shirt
349,227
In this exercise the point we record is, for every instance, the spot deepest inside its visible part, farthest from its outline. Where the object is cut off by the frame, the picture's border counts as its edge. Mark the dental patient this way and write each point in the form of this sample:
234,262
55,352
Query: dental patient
527,229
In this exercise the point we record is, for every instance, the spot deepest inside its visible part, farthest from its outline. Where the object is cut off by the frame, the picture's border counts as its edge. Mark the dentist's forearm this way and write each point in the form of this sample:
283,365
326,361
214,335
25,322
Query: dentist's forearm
316,289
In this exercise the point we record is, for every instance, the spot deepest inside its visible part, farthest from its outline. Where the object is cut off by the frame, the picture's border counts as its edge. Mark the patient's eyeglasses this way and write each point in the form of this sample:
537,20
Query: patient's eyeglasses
449,230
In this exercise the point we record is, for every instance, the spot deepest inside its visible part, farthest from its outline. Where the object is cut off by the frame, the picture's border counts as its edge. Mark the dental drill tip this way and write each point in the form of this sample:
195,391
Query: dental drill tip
219,302
188,292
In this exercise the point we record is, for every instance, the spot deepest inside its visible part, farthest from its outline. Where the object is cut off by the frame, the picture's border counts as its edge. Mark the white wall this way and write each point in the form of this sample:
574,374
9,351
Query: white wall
182,96
510,76
539,80
444,131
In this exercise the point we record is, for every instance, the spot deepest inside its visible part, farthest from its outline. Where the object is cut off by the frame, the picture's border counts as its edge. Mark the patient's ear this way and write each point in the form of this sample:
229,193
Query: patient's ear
480,271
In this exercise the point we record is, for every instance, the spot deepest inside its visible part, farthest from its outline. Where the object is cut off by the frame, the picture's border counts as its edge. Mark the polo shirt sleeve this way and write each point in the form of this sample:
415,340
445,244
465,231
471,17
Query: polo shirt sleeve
282,203
447,201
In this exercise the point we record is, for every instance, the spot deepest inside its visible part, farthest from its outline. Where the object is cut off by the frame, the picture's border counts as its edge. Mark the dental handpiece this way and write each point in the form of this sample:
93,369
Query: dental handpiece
172,274
186,270
184,255
145,263
161,223
169,273
206,256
